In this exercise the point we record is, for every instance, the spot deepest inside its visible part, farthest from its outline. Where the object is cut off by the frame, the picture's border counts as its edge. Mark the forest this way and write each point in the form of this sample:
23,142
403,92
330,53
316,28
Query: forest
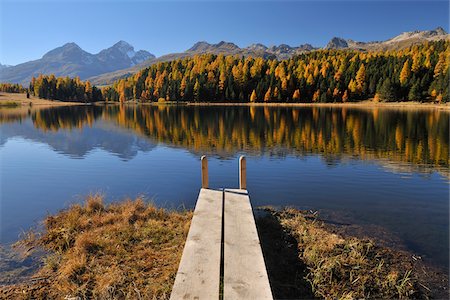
12,88
417,73
64,89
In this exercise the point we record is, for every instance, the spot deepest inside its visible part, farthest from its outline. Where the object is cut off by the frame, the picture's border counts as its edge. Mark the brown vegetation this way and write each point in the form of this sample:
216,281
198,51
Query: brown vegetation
128,250
131,250
338,267
20,99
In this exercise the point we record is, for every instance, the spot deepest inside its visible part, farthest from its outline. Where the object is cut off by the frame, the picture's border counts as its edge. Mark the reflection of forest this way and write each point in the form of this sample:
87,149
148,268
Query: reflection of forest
16,114
418,137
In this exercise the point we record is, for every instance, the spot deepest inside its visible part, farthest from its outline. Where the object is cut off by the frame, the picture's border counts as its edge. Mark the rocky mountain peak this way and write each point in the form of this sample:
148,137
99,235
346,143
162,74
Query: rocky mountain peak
123,47
440,31
337,43
68,51
199,46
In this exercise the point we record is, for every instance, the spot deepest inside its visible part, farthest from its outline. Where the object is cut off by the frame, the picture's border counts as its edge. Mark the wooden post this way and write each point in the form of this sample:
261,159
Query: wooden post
204,172
242,173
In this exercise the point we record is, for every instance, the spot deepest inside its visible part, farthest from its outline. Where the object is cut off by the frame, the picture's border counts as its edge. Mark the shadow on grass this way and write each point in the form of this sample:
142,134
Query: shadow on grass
286,271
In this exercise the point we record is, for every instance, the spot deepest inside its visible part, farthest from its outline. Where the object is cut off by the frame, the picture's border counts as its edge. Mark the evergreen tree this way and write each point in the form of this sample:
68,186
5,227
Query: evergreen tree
387,91
414,92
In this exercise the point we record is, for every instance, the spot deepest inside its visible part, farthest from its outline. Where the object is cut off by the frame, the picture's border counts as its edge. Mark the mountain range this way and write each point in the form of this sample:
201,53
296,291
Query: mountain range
70,60
121,60
4,66
403,40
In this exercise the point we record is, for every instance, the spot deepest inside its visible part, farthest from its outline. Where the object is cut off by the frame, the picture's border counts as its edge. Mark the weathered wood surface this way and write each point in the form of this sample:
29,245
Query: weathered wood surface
245,275
205,181
242,173
198,275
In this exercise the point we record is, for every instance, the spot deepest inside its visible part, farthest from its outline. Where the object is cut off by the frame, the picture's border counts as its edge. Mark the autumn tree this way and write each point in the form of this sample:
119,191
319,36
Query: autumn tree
197,90
253,97
268,95
326,74
64,89
405,73
345,96
360,79
296,95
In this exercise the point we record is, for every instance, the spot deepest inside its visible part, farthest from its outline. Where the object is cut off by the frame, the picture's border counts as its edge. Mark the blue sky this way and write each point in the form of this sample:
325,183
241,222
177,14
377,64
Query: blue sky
31,28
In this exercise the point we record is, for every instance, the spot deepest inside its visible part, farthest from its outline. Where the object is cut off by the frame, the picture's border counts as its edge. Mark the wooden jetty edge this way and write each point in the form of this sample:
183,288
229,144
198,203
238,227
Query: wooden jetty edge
222,248
198,275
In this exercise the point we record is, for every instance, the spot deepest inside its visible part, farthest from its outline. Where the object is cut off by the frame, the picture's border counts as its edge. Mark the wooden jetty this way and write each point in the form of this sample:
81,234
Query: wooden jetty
222,257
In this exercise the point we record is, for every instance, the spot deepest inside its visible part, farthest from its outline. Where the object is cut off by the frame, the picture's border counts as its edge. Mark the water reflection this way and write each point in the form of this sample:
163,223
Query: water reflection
401,140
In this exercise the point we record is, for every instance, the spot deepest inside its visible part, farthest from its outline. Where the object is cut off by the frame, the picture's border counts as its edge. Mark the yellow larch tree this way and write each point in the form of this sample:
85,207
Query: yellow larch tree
253,97
361,78
296,95
345,96
276,93
268,95
316,96
405,73
440,65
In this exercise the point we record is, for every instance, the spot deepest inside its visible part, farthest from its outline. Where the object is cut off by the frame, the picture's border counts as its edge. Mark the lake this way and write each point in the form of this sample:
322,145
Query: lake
381,169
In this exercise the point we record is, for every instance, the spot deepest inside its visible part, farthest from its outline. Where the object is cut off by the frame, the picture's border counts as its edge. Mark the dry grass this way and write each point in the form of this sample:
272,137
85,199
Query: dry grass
131,250
365,104
20,99
349,268
128,250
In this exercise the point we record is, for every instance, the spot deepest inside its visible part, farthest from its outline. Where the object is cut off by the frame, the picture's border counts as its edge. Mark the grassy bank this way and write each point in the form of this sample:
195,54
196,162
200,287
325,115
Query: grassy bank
330,265
369,104
20,99
131,250
128,250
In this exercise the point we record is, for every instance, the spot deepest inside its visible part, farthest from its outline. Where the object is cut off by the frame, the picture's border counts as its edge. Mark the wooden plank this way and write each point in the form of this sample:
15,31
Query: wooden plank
242,173
198,275
245,274
204,161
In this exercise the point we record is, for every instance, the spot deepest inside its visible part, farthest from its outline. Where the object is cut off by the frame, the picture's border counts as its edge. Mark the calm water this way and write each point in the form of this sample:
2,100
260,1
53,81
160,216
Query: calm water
379,168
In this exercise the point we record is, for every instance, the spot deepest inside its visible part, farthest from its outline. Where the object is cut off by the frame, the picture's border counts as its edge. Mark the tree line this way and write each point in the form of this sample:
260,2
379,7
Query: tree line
12,88
64,89
417,73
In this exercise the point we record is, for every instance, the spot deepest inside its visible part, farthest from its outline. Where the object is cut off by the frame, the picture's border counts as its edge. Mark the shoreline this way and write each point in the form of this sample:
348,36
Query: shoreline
362,104
14,100
298,246
20,100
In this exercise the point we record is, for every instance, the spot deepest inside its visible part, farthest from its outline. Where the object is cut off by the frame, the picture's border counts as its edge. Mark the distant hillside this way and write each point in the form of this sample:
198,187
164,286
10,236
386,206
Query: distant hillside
71,60
256,50
403,40
4,66
282,51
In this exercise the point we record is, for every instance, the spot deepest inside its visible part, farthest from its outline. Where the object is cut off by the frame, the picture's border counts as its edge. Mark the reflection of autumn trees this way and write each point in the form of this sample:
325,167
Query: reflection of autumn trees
419,137
11,115
69,117
409,136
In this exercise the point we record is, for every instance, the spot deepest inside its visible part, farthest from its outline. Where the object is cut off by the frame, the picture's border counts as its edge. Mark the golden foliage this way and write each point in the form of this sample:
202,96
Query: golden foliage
126,250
